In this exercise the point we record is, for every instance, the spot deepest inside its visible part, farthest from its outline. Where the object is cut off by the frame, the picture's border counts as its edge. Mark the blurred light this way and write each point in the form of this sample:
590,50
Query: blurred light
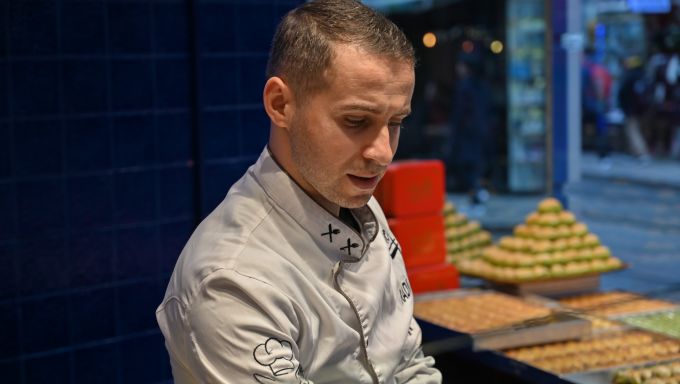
496,47
429,39
468,46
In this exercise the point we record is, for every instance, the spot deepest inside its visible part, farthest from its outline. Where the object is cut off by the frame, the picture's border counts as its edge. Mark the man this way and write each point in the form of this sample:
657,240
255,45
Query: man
596,84
471,124
295,277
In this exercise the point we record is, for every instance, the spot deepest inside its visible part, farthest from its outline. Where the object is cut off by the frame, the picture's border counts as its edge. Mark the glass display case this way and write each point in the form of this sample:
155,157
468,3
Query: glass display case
527,90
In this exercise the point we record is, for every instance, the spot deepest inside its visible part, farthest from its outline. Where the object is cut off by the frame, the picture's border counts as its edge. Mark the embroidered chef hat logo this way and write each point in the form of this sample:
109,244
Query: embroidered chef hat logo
275,354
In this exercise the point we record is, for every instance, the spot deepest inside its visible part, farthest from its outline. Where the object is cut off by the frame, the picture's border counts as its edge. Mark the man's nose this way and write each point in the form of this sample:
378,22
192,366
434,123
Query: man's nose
380,148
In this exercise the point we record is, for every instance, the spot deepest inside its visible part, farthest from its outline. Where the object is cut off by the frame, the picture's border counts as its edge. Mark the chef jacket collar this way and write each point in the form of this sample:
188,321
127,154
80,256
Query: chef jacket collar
328,231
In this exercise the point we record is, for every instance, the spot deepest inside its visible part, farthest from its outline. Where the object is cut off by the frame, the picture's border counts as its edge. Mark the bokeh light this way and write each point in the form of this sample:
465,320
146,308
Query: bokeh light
496,47
468,46
429,39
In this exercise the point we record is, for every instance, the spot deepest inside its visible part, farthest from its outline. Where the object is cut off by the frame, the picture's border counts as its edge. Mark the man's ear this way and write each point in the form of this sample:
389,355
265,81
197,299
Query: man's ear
278,101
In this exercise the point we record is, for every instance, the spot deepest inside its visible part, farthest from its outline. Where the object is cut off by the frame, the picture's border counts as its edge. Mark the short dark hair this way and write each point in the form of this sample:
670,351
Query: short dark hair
302,47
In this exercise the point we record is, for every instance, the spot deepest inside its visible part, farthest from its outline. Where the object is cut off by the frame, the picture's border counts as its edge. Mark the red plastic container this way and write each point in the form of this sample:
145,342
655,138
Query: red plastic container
421,238
433,278
412,187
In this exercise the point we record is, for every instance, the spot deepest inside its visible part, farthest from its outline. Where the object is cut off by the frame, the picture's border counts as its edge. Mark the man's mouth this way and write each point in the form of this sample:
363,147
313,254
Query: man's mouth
366,183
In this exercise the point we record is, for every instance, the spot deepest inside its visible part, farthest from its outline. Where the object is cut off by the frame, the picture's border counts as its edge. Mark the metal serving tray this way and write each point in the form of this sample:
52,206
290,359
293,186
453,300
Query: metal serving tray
552,328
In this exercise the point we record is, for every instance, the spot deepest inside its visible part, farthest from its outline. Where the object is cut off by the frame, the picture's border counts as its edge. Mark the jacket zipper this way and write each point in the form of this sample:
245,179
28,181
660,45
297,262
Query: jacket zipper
364,352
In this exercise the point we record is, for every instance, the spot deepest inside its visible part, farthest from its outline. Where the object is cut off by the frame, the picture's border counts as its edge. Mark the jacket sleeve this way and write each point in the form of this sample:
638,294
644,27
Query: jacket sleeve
236,330
416,367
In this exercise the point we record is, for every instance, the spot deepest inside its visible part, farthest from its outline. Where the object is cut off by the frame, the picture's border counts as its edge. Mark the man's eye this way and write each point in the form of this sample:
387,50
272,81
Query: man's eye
396,125
355,123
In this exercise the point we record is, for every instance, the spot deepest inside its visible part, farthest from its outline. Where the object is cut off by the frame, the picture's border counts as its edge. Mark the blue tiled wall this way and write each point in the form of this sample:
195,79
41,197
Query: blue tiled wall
122,123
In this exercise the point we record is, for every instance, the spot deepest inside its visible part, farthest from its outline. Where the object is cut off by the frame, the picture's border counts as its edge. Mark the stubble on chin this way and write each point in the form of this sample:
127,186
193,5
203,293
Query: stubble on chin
355,202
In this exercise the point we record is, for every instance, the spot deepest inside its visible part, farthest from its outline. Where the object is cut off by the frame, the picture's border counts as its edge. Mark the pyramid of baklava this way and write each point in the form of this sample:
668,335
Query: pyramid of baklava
465,239
551,243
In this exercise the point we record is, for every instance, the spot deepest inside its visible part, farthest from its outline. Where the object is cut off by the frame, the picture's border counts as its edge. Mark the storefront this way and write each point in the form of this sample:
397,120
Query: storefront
519,55
550,267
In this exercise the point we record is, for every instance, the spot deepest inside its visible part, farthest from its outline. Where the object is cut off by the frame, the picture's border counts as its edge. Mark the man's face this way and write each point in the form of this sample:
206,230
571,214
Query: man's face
343,137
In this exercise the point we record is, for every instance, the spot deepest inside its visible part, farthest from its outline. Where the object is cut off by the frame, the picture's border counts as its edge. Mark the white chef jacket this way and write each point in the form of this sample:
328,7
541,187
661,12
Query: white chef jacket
272,288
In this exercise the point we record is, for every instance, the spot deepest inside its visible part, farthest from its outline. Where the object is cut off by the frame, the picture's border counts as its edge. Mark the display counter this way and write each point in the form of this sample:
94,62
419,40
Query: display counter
595,338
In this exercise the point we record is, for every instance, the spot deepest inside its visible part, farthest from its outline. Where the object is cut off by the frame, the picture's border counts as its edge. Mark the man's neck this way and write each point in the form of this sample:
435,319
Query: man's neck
345,215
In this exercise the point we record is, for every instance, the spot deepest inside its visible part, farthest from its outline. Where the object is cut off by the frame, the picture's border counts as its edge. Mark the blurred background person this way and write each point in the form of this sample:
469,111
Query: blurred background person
595,91
470,126
663,72
631,98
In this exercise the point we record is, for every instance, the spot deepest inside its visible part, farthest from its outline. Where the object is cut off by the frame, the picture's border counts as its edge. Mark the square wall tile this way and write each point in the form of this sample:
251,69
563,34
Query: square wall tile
217,26
83,27
84,85
170,23
8,278
92,315
91,258
172,83
129,27
37,148
219,82
131,84
218,178
177,192
9,331
44,324
220,134
48,369
41,204
33,27
137,253
138,311
135,141
90,201
34,88
4,31
5,145
173,238
42,266
255,26
88,144
11,371
174,138
254,131
4,91
144,360
8,224
96,365
135,197
253,76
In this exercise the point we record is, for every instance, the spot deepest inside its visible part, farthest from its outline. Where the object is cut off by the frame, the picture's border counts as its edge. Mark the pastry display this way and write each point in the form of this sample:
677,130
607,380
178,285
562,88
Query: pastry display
600,325
599,352
668,373
479,312
594,300
614,303
465,239
550,244
667,322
